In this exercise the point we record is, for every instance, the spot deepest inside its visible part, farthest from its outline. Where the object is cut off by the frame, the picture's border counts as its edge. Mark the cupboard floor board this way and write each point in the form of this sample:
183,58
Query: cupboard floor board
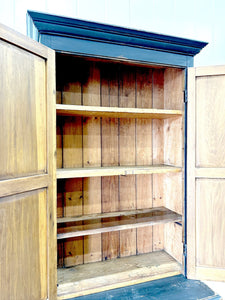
96,277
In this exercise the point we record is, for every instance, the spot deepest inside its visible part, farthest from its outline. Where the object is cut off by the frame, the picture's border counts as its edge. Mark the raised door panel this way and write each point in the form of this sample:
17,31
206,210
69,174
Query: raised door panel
206,174
23,93
23,246
27,169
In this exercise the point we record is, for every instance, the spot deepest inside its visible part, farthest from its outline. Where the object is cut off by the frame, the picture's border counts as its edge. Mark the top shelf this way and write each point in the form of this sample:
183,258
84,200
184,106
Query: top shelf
115,112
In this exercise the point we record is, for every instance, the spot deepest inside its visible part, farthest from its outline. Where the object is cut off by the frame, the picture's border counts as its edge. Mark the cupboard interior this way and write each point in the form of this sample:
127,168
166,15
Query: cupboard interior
117,232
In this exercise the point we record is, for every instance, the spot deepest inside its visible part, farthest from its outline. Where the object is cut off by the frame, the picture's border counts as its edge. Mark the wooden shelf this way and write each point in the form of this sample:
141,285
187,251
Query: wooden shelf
114,171
99,276
99,223
115,112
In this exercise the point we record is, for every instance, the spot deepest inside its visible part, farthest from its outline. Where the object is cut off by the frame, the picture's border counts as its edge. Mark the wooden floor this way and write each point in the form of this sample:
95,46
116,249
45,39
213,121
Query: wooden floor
100,276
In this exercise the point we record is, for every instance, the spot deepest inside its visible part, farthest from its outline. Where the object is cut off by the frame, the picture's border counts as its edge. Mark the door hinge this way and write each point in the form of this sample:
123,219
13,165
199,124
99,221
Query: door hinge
185,249
185,96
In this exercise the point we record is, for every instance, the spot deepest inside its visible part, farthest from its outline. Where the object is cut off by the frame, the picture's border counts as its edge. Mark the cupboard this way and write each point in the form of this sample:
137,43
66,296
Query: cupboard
137,166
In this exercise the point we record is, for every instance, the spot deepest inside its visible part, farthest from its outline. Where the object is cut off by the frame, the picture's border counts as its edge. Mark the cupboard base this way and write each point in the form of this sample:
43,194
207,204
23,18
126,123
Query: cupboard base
100,276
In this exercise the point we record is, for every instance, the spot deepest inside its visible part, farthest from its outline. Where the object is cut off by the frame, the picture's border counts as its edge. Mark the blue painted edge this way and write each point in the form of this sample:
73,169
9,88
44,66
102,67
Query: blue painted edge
114,52
46,27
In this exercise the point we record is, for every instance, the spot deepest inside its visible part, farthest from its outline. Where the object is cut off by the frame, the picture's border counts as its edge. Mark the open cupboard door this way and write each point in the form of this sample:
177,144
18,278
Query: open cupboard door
27,186
206,173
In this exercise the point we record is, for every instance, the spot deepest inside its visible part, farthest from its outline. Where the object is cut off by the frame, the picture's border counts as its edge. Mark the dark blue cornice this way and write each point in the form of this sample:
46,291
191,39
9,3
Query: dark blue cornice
55,31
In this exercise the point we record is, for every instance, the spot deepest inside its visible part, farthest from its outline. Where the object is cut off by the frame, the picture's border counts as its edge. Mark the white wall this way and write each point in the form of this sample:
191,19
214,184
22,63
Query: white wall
195,19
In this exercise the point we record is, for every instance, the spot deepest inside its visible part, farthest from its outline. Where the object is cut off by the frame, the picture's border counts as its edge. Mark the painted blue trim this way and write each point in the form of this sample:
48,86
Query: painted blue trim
100,40
115,52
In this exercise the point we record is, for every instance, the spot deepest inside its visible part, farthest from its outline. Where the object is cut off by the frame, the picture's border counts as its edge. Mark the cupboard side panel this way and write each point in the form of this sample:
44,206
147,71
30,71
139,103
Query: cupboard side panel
144,154
174,153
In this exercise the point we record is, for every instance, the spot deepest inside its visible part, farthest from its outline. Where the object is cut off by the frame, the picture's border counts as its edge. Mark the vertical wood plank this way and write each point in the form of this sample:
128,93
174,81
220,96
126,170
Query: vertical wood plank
144,154
73,200
92,158
60,213
72,157
127,184
110,185
158,155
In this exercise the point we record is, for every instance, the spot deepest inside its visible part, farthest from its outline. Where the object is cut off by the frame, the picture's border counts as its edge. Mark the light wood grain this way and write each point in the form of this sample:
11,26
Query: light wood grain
72,156
115,273
104,215
112,171
144,154
127,222
205,187
210,71
204,273
210,120
29,45
51,170
174,154
123,135
210,223
21,136
191,248
18,214
173,241
127,157
28,226
158,156
92,158
110,156
18,185
210,172
116,112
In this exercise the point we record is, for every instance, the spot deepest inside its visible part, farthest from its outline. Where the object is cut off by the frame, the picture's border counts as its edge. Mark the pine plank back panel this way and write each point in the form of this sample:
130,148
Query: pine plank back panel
112,142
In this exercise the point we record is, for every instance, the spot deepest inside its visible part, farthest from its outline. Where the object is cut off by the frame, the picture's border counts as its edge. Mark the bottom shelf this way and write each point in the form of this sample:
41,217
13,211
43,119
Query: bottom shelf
100,276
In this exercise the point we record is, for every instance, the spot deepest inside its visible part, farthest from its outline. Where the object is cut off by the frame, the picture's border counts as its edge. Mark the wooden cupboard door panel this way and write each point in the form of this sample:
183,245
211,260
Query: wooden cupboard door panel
206,173
23,246
210,230
19,137
27,169
210,121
